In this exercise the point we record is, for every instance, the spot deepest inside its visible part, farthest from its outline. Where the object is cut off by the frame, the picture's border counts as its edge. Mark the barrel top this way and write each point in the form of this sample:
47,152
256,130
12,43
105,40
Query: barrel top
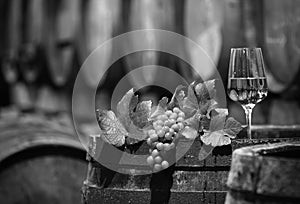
268,170
270,149
20,132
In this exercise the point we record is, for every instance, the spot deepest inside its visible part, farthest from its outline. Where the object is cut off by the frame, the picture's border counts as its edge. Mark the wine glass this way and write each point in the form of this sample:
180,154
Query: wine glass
247,82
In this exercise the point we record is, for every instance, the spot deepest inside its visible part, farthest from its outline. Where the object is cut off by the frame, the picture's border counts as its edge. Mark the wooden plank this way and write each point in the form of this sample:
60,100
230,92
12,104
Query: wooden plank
241,197
141,196
220,157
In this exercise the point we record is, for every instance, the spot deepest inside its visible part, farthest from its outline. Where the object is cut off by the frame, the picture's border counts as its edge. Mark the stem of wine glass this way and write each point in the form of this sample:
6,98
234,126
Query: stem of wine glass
248,110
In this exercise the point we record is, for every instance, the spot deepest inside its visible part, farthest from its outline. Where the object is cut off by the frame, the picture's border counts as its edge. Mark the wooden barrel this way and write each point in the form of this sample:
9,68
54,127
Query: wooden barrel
32,57
99,21
203,24
280,39
13,31
189,181
147,14
11,24
62,21
40,160
265,174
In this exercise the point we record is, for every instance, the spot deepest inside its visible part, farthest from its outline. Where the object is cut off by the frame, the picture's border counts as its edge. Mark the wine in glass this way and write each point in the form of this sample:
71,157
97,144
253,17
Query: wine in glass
247,82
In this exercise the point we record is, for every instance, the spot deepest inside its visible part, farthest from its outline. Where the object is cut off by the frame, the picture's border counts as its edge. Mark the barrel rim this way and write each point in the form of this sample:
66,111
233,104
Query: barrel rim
263,150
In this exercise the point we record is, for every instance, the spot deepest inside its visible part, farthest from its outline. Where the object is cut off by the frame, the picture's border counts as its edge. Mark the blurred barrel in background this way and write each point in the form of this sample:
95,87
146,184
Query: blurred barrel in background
32,60
44,44
281,43
41,160
98,23
62,24
12,39
203,24
147,14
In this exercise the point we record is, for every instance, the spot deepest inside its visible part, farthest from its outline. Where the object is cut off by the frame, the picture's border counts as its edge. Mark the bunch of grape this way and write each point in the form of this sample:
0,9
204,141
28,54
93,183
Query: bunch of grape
161,138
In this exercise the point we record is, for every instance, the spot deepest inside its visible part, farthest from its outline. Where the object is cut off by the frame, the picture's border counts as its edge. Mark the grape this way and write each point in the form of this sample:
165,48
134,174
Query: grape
165,128
164,164
171,130
172,145
160,146
154,137
162,137
172,121
151,132
159,122
150,160
154,144
167,147
175,127
149,142
161,133
155,153
180,125
180,119
168,123
176,110
157,127
158,159
181,114
168,112
173,116
168,136
162,117
157,167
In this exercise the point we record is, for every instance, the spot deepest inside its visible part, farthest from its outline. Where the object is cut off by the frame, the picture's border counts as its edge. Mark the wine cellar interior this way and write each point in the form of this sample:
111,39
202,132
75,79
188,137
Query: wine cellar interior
45,44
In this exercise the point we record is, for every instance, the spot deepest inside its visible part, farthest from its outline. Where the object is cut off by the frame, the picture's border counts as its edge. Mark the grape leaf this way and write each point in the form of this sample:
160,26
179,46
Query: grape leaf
160,108
217,122
178,97
206,90
216,135
198,112
140,121
221,130
112,130
190,102
232,127
222,111
193,121
191,126
125,107
207,106
215,138
189,133
140,116
204,123
131,119
205,150
136,134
